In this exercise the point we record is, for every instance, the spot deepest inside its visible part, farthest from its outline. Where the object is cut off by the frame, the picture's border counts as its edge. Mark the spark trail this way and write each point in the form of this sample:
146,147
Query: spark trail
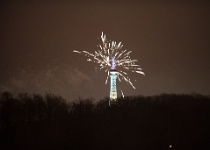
111,56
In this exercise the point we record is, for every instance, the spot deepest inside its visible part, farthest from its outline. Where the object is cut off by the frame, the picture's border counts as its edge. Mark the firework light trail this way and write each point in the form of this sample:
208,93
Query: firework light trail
111,56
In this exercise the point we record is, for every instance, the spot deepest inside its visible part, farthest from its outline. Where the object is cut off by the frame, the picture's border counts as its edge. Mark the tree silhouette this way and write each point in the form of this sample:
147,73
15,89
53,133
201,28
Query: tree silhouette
56,107
138,122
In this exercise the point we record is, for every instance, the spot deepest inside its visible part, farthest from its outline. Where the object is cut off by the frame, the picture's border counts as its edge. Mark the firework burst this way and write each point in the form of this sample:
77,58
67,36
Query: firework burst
110,57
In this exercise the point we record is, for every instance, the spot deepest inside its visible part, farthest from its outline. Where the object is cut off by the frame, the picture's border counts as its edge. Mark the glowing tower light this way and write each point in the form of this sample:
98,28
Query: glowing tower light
113,84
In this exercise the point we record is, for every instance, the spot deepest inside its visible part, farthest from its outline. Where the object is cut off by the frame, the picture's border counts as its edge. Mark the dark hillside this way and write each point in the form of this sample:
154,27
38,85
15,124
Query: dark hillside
167,121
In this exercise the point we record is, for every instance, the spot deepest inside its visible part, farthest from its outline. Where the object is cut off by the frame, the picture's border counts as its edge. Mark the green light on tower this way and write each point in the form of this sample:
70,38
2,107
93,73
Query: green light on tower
113,87
113,84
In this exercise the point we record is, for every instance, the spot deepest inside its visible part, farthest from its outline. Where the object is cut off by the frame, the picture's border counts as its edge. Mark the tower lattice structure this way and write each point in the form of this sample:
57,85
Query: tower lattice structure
113,87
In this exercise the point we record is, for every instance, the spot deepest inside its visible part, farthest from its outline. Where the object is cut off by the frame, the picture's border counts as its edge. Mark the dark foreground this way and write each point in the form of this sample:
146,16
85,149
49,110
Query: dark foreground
162,122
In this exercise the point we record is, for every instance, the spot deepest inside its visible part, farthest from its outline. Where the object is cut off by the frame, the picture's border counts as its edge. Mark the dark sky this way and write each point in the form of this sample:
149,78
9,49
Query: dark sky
170,40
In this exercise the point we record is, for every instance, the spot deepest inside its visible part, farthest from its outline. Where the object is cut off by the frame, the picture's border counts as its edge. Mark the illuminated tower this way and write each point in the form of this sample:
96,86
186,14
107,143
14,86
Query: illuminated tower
109,56
113,86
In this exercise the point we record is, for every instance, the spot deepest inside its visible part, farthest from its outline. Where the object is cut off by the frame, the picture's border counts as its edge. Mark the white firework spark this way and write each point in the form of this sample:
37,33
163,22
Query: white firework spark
111,56
122,94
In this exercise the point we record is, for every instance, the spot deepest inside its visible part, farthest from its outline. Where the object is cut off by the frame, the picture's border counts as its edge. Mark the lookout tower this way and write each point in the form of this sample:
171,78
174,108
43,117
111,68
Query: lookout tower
113,86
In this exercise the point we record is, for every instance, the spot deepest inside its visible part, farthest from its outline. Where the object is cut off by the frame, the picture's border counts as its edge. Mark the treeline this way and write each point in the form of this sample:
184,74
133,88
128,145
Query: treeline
177,121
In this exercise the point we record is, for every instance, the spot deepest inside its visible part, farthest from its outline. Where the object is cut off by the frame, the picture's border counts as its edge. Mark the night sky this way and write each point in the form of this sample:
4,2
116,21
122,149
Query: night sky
170,39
